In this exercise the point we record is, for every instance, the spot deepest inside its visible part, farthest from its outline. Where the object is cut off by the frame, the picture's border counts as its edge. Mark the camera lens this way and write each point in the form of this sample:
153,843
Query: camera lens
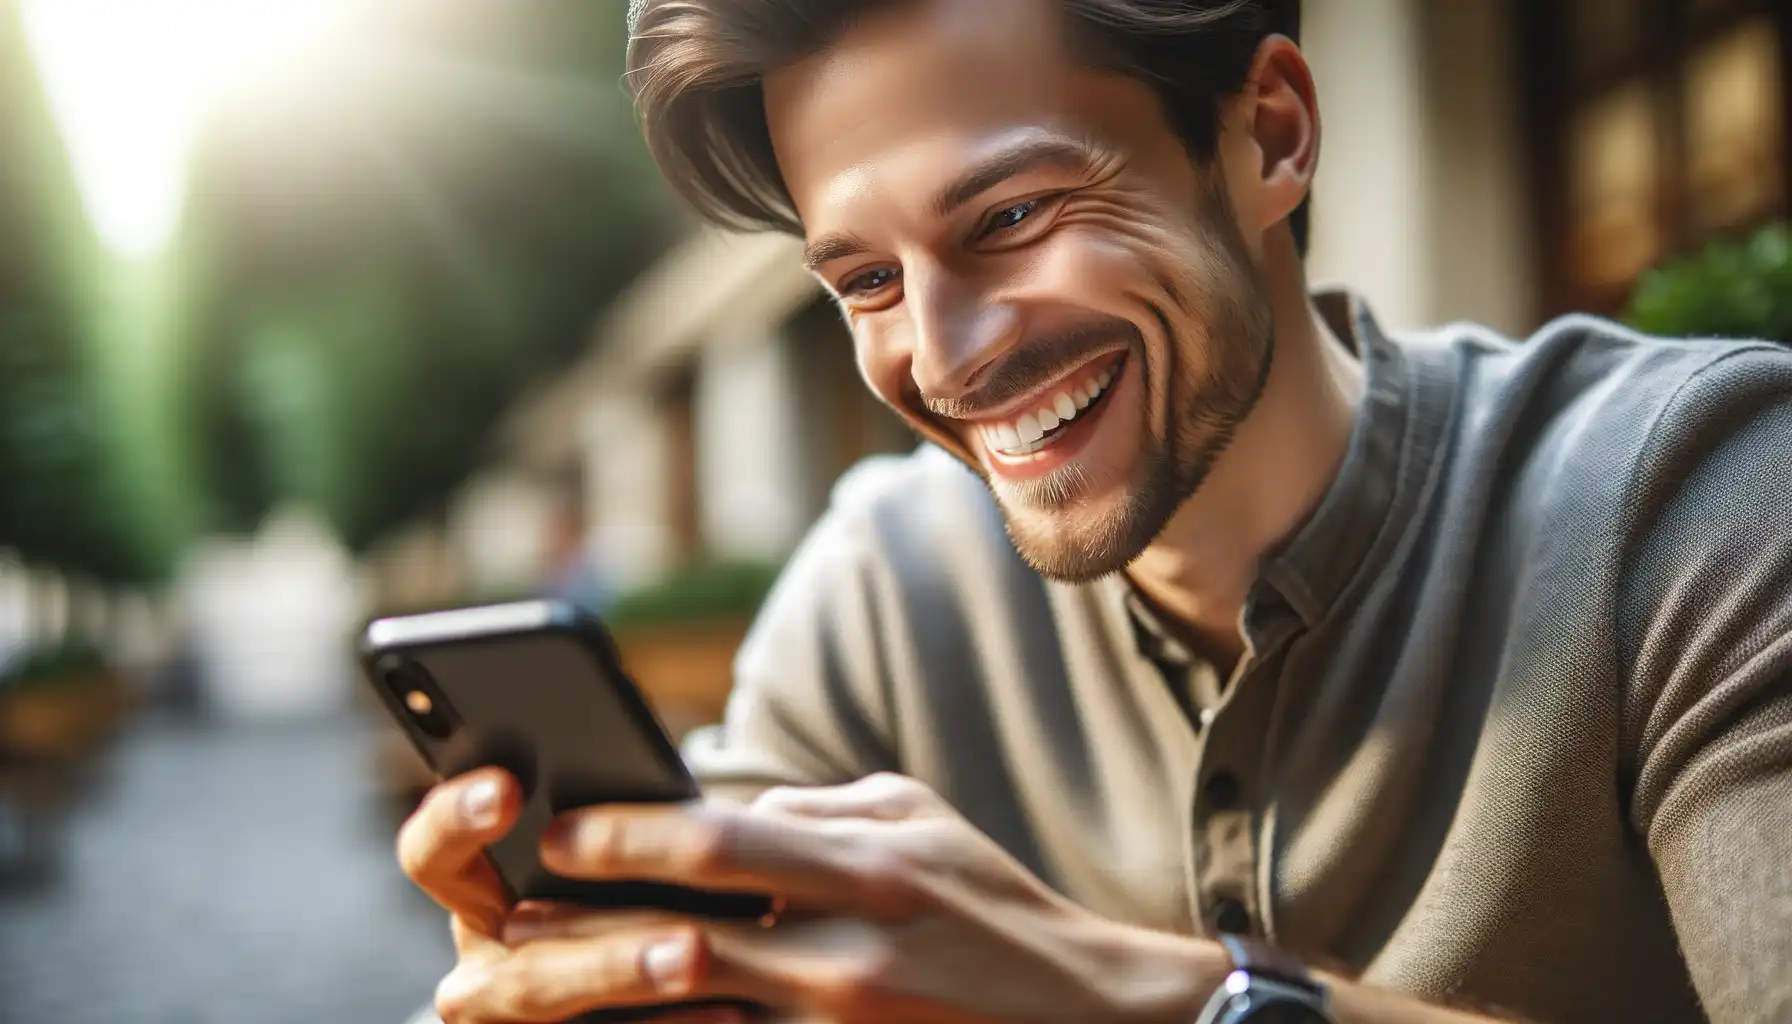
420,697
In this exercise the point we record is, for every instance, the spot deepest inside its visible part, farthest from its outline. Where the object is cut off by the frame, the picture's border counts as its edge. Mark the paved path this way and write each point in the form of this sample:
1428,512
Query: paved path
241,875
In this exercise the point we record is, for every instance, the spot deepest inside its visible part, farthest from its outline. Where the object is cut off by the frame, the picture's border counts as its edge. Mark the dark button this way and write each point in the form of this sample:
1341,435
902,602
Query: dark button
1230,916
1222,790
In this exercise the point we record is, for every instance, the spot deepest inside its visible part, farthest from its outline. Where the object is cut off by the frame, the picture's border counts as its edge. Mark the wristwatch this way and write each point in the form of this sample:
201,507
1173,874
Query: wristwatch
1266,986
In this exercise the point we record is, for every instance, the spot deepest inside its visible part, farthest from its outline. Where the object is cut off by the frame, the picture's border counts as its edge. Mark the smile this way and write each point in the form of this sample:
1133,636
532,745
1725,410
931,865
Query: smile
1033,431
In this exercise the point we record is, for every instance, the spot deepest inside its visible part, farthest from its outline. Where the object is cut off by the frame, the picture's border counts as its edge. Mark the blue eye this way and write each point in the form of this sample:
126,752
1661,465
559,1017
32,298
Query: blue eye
1012,216
869,281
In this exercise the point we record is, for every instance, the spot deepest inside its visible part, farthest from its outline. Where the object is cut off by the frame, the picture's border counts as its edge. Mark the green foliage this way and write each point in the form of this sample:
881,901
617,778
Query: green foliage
699,593
385,272
1731,289
68,493
73,660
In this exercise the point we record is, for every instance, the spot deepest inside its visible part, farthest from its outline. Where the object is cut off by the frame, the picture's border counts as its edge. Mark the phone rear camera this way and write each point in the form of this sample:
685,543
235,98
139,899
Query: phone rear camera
420,697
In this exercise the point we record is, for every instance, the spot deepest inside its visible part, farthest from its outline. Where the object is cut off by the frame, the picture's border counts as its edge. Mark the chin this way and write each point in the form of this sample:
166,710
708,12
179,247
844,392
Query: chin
1080,540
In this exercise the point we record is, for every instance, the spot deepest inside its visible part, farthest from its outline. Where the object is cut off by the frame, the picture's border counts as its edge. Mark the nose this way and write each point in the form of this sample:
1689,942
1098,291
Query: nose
957,332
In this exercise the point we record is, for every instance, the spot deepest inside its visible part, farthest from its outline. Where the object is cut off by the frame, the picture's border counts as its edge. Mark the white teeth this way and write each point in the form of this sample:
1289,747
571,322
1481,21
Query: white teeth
1026,435
1029,428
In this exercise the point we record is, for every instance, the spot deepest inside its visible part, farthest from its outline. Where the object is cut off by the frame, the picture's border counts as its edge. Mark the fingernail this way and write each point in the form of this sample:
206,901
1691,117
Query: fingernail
667,962
479,804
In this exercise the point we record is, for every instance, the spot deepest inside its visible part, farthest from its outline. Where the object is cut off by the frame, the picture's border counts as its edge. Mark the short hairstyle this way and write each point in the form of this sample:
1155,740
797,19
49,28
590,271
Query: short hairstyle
696,68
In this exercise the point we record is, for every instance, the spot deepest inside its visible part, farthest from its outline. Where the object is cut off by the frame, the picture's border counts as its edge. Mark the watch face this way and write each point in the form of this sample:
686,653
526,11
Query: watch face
1282,1012
1277,1010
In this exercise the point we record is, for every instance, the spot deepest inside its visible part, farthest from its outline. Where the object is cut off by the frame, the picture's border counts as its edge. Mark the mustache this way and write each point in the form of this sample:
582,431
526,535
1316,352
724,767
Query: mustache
1035,363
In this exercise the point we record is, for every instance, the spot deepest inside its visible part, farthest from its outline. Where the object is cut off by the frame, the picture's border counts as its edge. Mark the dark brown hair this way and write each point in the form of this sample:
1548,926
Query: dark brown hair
695,67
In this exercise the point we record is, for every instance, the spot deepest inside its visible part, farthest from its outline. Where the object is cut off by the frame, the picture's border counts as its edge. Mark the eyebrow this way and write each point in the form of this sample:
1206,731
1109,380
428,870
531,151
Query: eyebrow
1005,164
1024,156
828,248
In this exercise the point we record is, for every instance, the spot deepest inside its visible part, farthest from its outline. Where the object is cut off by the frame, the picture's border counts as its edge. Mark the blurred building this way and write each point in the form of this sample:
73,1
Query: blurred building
1494,160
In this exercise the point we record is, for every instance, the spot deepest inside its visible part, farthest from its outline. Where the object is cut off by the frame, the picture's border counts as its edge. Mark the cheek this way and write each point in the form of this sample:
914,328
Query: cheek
883,361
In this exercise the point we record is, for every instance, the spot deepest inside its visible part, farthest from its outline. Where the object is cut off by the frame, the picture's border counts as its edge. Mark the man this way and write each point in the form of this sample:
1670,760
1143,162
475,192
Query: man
1456,671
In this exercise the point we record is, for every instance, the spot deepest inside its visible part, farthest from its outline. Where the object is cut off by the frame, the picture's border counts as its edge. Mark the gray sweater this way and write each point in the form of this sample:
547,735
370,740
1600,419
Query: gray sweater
1515,725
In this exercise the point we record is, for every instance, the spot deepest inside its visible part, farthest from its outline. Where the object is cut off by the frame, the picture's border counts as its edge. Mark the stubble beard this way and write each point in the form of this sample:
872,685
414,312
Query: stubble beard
1228,304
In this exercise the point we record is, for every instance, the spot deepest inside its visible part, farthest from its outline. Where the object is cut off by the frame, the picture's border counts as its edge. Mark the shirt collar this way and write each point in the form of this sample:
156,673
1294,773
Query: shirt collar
1311,569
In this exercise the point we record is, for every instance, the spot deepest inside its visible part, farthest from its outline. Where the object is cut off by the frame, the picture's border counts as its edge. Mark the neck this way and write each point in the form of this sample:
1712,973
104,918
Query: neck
1268,481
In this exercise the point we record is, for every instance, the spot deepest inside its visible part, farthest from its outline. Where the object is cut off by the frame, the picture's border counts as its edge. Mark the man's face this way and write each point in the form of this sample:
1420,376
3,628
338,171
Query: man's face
1036,275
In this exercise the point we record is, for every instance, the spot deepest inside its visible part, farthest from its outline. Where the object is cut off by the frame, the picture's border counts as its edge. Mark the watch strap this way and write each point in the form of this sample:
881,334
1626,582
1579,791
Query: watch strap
1254,957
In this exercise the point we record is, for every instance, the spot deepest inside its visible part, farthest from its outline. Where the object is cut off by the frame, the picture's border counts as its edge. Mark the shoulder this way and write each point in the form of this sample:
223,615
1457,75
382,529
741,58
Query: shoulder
1591,365
1710,492
1586,413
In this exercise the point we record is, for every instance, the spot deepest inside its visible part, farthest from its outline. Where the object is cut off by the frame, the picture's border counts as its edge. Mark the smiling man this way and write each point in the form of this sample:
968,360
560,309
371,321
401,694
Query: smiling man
1220,656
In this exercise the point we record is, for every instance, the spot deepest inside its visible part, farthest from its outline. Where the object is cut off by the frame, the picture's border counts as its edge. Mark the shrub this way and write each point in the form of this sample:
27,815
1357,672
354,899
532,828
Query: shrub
69,660
1733,288
703,592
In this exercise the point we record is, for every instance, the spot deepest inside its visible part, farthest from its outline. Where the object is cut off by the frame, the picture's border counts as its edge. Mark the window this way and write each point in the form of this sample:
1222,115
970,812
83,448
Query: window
1658,124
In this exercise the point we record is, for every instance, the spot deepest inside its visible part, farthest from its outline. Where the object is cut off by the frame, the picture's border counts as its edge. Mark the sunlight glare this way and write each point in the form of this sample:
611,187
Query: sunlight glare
129,82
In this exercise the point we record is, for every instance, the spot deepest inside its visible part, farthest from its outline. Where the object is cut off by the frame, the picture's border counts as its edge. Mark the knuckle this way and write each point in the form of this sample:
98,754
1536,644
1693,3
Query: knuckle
513,991
776,797
888,882
599,843
423,834
891,783
413,846
454,999
710,849
617,968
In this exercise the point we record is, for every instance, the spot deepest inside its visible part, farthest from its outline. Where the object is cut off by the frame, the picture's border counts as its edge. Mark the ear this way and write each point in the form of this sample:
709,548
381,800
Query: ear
1281,120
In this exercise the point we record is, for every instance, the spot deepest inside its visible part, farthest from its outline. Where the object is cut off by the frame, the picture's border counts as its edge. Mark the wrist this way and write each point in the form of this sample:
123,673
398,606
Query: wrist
1158,978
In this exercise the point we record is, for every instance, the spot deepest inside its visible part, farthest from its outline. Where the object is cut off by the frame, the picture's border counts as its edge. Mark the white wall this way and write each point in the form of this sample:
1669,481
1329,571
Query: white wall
500,523
273,620
625,470
1481,240
749,461
1370,201
1420,202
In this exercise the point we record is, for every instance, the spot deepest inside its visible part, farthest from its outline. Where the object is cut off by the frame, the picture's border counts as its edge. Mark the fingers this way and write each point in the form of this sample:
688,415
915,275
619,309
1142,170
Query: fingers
441,847
560,921
551,980
826,966
813,864
884,796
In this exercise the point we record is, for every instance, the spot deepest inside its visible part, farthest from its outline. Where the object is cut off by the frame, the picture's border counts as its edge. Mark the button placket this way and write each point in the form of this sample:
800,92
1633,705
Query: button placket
1225,790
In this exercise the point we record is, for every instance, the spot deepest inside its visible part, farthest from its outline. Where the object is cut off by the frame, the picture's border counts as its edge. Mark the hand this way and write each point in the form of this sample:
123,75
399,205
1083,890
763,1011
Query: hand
441,847
897,910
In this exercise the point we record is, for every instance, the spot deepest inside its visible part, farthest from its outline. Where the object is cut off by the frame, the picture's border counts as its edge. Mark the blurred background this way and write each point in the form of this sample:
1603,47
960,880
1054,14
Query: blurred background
332,308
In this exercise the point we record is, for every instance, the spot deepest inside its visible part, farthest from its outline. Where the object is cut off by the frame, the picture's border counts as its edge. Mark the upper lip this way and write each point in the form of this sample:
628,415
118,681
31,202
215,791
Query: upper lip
1037,398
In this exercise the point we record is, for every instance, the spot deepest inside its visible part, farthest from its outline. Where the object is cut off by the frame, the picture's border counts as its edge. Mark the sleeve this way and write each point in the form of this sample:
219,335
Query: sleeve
810,700
1706,616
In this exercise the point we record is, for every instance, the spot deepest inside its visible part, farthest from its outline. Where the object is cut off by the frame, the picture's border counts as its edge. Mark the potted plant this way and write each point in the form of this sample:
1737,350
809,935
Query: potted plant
678,637
1733,288
59,701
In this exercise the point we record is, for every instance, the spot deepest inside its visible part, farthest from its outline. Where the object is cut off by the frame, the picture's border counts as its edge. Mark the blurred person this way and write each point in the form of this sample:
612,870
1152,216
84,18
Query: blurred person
1378,679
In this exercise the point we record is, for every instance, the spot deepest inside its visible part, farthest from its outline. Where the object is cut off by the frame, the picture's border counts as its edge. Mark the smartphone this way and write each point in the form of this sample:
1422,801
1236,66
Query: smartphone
537,688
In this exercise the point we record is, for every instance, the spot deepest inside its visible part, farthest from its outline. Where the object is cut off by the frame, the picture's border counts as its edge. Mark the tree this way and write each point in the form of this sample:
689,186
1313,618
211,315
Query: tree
384,268
66,498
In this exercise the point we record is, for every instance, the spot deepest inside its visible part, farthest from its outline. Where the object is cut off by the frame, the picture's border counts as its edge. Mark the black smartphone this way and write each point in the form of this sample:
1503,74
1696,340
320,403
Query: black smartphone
536,688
